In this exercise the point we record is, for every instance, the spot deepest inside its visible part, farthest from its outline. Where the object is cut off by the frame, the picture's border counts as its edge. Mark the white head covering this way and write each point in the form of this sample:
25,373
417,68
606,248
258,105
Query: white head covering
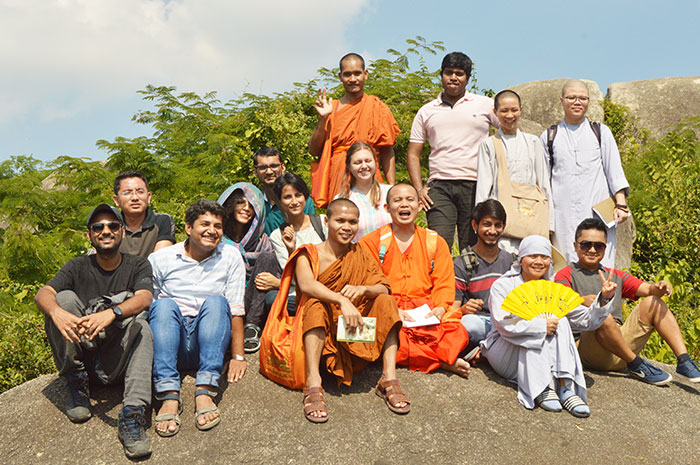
532,245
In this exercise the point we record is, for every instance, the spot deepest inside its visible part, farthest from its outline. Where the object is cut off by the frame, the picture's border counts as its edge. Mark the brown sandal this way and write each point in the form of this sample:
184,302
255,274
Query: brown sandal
315,402
391,392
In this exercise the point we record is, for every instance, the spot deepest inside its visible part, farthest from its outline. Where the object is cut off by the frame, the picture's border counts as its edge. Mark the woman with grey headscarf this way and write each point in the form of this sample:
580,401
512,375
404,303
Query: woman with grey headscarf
540,355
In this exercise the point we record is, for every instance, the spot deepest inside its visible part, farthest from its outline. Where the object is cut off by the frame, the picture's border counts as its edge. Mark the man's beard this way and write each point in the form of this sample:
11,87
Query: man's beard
107,252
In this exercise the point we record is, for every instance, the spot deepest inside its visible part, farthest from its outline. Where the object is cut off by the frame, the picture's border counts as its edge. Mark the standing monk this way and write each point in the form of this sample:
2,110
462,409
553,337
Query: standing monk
356,117
419,267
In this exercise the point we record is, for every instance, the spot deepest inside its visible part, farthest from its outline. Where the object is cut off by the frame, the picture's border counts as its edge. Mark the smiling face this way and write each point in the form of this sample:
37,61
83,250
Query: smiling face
107,240
402,204
243,211
342,222
268,169
205,233
489,230
363,166
454,82
133,197
508,113
353,76
590,248
575,103
534,266
292,201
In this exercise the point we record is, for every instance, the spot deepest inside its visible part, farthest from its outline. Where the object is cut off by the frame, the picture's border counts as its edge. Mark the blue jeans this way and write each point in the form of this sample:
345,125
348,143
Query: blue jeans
189,343
478,326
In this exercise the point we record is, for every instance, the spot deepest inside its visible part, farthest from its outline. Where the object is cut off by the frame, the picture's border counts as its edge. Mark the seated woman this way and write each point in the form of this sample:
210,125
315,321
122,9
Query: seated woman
524,157
540,355
299,229
361,186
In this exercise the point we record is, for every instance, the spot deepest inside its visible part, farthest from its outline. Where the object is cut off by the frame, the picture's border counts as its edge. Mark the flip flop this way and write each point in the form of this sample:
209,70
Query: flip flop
574,404
315,402
472,354
548,400
169,416
210,424
391,392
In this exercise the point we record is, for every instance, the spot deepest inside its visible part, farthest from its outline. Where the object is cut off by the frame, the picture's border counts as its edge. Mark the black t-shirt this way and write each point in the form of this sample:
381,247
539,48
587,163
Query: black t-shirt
88,280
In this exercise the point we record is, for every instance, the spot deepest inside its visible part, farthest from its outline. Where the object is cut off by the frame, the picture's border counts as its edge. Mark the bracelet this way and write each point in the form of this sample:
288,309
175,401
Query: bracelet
240,358
623,207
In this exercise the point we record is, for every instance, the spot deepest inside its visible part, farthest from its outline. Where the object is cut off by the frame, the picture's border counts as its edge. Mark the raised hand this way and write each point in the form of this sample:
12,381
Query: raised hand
289,238
323,104
608,286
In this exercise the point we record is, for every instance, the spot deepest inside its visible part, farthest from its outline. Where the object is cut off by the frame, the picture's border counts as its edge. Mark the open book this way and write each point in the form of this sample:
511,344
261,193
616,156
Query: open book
367,334
420,317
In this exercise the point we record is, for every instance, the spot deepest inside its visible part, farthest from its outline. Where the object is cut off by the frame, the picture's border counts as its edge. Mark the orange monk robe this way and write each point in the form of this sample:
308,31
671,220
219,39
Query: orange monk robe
412,283
367,120
357,268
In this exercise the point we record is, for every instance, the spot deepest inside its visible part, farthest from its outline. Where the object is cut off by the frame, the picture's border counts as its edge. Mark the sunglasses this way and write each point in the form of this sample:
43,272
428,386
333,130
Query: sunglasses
113,226
586,246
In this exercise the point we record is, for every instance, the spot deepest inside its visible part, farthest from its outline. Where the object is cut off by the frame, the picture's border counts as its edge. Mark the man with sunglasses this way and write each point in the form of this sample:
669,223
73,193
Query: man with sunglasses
615,344
96,324
268,167
585,169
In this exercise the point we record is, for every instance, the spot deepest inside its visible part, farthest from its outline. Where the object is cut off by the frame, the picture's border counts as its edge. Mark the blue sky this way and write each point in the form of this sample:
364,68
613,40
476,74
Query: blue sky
70,69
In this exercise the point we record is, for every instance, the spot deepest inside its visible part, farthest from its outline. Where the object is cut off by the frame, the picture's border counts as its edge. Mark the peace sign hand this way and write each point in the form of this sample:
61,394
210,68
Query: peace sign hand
608,286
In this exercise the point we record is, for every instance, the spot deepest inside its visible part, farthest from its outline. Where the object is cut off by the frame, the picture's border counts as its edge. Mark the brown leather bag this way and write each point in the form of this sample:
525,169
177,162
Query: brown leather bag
526,206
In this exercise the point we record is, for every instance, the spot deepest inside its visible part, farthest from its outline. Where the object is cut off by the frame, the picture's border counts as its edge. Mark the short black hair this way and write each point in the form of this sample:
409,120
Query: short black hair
338,203
591,223
457,60
290,179
126,175
354,55
506,93
490,207
266,151
200,207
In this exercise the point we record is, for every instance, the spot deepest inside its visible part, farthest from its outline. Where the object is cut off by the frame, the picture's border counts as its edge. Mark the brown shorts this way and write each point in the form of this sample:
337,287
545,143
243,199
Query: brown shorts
635,332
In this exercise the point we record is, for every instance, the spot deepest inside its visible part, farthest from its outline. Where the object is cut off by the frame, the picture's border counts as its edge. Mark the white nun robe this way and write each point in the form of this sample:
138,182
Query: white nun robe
521,351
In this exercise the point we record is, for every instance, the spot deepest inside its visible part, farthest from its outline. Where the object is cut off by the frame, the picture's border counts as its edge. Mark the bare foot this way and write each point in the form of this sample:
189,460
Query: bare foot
169,406
461,367
202,402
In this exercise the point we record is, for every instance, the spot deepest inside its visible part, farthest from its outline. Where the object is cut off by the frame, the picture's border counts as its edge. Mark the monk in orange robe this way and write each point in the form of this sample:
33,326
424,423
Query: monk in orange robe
419,266
339,278
356,117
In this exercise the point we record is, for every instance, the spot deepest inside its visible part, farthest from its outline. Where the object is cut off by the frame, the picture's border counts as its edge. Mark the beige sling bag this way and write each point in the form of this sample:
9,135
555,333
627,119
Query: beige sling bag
526,206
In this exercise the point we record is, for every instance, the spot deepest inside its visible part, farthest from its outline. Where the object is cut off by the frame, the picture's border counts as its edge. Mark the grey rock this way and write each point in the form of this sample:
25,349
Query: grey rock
626,235
659,104
452,420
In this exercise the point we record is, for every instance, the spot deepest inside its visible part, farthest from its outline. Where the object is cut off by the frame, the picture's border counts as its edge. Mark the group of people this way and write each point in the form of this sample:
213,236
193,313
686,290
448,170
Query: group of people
140,308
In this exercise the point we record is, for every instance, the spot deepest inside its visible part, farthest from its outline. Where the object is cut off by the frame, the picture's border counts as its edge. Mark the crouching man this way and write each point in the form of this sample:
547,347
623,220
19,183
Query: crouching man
95,323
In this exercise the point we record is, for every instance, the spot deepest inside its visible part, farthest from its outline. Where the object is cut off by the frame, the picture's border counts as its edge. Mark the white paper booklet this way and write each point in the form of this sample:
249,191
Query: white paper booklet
420,317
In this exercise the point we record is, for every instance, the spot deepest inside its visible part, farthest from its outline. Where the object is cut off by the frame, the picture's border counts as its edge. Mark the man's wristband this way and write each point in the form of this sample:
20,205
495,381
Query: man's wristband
623,207
240,358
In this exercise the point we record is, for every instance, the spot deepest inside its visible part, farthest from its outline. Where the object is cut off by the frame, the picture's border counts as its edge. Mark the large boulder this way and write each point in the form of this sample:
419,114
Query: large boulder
542,107
659,104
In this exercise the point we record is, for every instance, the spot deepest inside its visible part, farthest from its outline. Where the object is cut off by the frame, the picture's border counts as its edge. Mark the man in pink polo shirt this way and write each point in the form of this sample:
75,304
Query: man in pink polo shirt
454,123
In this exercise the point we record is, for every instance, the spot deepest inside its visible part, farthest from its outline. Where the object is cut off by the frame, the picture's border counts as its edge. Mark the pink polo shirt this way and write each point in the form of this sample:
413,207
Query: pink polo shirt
454,134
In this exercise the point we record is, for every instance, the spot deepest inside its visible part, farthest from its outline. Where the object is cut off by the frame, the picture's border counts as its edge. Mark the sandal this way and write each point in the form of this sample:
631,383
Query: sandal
473,356
574,404
169,416
209,425
391,392
548,400
315,402
251,338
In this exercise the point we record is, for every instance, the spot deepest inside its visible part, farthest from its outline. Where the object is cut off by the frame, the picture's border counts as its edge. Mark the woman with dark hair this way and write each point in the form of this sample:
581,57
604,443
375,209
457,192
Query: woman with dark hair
361,186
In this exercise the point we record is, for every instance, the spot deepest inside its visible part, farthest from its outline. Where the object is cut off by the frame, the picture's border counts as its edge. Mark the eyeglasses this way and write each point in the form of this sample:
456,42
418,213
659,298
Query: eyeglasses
113,226
272,166
572,99
586,246
130,192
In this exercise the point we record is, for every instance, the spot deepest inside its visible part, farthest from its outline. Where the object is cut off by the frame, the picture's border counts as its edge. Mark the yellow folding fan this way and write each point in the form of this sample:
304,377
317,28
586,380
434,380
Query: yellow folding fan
541,298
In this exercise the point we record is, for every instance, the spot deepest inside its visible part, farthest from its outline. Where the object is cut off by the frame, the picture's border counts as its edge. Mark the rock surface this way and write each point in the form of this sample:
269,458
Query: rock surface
452,421
659,104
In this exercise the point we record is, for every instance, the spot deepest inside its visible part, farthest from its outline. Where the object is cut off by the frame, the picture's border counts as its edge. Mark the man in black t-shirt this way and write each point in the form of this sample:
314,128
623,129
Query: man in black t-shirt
95,321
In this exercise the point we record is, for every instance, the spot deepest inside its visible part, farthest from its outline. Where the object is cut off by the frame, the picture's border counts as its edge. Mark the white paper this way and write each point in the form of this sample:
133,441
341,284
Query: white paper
420,317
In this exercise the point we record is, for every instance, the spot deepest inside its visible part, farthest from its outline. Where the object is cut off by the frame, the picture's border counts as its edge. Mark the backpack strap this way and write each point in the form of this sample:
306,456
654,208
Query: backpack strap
431,246
385,234
551,134
317,225
470,261
595,127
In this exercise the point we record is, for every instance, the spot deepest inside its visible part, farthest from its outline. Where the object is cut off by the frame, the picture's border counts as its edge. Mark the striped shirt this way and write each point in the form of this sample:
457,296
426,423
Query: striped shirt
189,282
483,276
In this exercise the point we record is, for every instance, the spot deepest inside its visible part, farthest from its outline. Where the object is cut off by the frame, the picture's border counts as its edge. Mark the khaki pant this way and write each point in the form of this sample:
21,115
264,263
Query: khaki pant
635,332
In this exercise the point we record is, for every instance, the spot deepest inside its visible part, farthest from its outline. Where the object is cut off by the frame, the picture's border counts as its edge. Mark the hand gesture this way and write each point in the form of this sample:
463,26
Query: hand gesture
353,292
68,324
92,324
607,290
552,323
266,281
438,312
289,238
425,201
352,316
662,289
236,370
472,306
323,104
405,316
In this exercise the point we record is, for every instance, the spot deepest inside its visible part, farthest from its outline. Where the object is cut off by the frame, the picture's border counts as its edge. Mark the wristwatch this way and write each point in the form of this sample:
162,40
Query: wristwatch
240,358
117,312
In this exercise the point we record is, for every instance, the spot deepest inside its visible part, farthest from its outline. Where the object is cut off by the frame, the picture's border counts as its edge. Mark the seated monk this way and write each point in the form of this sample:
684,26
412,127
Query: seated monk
419,266
338,278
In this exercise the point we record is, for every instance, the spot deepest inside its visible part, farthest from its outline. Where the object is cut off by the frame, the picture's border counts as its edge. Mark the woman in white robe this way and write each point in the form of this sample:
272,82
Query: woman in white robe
540,355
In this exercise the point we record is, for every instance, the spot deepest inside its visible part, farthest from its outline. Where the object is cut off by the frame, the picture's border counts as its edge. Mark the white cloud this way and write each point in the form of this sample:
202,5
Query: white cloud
62,57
